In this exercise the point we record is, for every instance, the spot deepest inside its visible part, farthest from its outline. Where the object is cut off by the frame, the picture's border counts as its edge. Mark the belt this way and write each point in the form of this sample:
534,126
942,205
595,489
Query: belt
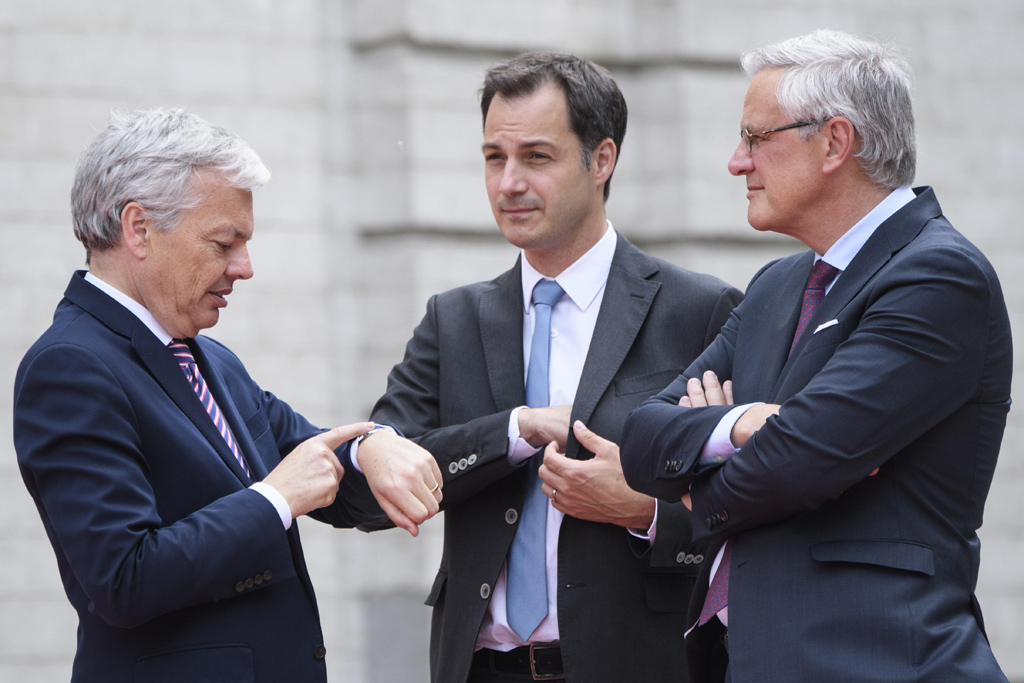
543,661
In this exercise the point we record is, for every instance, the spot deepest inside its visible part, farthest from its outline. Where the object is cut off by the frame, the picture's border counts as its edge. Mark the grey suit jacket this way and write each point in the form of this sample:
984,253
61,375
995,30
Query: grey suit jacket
838,575
621,603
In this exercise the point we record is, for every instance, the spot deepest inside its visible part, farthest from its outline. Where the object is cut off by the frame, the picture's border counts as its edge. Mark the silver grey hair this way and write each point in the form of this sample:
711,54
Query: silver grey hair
830,73
151,157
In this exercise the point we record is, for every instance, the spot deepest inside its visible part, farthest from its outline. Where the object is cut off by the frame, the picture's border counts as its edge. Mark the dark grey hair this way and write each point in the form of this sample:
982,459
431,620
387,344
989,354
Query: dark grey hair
597,109
151,157
830,73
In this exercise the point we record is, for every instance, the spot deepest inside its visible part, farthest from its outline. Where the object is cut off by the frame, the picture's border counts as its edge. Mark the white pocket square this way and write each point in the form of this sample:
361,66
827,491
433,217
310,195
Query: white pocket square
822,326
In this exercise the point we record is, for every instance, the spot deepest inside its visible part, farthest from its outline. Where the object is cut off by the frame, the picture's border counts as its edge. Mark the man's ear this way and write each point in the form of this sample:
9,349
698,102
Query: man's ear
842,143
135,229
603,159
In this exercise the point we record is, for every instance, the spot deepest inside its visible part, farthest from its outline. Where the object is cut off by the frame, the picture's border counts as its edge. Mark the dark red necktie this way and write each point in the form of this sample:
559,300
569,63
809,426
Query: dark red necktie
822,274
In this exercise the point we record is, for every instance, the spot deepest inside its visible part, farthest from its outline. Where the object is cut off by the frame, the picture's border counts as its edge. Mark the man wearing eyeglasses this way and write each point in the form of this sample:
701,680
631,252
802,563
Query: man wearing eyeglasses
842,493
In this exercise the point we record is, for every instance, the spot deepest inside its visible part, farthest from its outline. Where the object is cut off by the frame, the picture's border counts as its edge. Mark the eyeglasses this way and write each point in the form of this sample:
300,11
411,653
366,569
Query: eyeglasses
752,138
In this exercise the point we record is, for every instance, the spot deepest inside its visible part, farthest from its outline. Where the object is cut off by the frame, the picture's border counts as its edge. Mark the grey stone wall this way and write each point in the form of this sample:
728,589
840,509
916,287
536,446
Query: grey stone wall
367,113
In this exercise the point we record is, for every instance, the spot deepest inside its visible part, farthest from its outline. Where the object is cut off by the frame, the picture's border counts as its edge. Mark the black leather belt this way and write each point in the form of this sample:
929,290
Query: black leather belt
543,661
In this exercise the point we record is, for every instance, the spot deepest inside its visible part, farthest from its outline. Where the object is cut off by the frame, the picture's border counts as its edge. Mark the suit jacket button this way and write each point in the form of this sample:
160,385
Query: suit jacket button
240,586
268,575
511,516
319,652
680,557
453,467
463,464
485,591
471,459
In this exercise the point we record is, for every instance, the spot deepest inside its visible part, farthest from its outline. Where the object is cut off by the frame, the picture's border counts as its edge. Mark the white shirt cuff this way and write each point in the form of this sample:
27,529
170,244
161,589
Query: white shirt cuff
277,500
353,453
718,447
518,449
651,531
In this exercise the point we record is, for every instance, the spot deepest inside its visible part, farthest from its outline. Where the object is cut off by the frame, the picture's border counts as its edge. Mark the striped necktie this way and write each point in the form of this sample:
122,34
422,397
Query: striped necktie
188,366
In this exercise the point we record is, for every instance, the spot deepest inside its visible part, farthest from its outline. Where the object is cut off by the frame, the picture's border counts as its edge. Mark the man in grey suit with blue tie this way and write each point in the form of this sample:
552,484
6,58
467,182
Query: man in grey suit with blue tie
843,493
554,571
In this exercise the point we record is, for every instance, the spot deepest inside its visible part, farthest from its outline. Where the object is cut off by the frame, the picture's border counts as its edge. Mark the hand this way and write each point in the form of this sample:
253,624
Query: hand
750,421
403,477
594,489
711,393
540,426
308,477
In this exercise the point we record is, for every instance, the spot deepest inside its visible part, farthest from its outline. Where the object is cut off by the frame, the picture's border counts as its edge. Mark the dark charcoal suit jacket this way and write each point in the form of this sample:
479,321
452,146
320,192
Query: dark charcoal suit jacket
621,604
176,570
837,575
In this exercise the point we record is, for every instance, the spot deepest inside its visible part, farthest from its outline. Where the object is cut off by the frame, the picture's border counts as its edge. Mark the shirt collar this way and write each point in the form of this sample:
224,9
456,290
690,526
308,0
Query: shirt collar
846,247
583,280
140,311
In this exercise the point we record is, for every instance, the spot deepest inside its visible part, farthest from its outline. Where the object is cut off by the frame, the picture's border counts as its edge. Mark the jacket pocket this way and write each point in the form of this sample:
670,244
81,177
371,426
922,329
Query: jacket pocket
437,589
913,557
257,424
651,383
220,663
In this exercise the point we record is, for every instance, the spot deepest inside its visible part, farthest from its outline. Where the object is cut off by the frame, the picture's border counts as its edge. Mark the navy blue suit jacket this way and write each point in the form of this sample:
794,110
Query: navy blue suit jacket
177,571
836,575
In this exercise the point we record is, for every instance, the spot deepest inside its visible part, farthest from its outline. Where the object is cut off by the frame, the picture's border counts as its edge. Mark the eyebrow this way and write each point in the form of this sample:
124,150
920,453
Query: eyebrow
525,144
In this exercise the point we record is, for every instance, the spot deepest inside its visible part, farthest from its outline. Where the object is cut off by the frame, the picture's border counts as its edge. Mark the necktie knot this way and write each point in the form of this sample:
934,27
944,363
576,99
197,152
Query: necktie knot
182,353
822,274
547,293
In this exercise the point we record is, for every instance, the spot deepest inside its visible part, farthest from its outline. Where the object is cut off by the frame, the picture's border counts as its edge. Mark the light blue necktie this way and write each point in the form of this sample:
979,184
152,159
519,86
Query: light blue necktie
527,598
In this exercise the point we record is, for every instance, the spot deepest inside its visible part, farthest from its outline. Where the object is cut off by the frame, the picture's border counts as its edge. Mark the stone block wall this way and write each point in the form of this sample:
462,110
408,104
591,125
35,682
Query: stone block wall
367,113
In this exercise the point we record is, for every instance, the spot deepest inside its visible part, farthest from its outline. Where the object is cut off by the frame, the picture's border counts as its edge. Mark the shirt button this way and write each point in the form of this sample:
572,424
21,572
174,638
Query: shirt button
554,333
485,591
511,516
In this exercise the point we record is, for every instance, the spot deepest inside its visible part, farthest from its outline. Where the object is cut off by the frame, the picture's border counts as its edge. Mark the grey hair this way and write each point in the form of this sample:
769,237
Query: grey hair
152,157
830,73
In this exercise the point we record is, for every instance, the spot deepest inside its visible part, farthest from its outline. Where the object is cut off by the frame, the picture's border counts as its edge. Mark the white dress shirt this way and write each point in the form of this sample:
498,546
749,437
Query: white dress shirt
719,445
143,314
573,319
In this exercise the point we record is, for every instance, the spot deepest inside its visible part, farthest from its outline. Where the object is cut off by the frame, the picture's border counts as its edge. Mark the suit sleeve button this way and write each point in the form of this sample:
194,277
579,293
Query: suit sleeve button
511,516
697,559
258,579
268,575
240,586
250,582
485,591
463,464
689,559
680,557
319,652
709,523
453,467
471,459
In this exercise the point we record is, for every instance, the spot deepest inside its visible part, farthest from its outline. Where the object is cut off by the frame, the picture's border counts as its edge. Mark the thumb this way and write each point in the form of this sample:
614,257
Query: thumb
335,437
588,439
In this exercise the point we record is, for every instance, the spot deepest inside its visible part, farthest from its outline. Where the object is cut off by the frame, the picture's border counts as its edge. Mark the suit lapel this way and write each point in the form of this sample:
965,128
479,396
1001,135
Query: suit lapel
501,329
165,370
215,383
628,296
891,236
776,325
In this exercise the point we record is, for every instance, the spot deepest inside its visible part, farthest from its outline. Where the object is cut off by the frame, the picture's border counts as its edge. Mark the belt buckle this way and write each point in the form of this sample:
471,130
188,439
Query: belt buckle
533,663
